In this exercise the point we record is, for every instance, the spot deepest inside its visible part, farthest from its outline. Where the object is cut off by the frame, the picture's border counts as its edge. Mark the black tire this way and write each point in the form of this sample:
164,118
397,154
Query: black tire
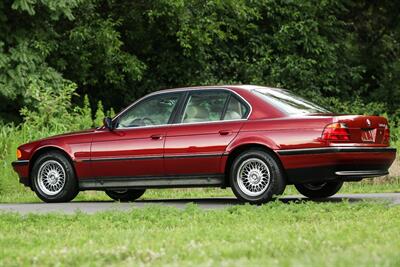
274,187
67,191
125,195
319,190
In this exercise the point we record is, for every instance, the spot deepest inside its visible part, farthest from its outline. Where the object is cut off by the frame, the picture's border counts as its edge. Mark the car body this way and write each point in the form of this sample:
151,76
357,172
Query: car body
191,137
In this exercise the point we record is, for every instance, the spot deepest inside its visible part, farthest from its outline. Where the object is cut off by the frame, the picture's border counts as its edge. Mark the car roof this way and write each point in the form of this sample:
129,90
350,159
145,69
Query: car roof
246,87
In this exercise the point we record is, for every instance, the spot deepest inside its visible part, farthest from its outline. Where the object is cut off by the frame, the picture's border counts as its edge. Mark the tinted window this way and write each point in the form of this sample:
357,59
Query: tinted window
155,110
204,106
236,110
288,102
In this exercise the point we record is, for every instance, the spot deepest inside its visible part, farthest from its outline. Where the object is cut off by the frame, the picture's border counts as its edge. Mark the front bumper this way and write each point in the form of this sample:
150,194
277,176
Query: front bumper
21,167
336,163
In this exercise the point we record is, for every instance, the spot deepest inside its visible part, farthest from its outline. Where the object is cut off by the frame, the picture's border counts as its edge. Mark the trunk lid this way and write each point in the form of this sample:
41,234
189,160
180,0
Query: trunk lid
365,129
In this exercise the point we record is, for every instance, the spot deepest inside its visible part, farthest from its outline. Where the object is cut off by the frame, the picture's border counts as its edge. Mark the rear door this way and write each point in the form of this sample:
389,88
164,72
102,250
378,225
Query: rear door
208,121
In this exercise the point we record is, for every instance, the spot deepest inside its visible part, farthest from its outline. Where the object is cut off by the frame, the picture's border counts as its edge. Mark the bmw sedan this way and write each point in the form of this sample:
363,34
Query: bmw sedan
255,140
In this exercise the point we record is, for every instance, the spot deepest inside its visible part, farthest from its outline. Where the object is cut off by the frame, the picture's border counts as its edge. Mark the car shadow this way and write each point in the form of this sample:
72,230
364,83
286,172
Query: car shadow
233,201
215,202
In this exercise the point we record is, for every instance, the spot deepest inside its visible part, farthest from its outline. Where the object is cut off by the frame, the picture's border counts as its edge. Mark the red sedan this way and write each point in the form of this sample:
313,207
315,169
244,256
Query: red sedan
253,139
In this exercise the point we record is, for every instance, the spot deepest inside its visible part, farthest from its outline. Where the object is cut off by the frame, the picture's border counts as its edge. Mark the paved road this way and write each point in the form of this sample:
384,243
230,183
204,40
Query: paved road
205,203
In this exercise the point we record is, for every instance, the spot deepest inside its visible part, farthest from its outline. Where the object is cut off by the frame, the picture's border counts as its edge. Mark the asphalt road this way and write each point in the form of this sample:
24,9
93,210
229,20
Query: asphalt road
205,203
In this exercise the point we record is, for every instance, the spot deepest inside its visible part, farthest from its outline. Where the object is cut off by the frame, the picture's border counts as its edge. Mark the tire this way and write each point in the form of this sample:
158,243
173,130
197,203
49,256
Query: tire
53,178
256,177
319,190
125,195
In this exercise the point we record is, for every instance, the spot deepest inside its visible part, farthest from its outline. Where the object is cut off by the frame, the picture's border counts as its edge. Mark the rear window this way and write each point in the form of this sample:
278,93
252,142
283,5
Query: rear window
288,102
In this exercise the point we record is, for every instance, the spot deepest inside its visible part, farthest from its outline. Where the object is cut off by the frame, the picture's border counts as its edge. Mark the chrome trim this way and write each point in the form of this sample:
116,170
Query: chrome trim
123,158
155,157
20,162
194,156
167,91
368,173
336,149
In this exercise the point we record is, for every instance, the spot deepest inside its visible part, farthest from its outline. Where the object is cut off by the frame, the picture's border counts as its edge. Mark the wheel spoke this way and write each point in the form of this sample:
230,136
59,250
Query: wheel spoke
51,177
253,176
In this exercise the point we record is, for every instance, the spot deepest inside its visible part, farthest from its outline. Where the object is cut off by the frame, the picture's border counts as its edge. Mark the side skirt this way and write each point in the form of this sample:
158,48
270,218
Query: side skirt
206,180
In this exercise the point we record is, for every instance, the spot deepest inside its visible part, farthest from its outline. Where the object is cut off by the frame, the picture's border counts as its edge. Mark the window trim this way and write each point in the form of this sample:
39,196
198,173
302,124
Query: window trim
179,118
180,105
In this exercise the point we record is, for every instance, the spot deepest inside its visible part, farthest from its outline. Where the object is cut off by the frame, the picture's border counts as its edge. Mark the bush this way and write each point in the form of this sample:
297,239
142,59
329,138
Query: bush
51,111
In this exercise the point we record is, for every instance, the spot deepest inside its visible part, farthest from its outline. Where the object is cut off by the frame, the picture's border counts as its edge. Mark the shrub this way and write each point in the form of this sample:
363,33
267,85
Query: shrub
51,111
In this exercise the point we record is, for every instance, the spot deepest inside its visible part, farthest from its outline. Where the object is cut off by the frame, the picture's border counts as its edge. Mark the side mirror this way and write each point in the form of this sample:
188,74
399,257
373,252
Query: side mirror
108,123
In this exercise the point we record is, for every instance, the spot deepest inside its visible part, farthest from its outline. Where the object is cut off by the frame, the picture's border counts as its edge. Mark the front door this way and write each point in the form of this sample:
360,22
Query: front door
135,147
209,120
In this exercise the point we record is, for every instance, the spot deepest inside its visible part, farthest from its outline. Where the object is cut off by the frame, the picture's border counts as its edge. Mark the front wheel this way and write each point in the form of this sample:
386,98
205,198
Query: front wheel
319,190
256,177
126,195
53,178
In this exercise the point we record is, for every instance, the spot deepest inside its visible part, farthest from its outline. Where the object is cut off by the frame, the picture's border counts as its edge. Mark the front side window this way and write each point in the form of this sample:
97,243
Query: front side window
155,110
204,106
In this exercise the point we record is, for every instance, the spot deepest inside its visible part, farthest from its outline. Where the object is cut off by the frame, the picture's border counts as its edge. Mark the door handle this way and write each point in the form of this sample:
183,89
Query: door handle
224,132
156,136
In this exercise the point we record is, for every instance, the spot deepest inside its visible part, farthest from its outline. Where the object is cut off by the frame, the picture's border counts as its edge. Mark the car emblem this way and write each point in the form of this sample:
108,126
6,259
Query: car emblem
368,122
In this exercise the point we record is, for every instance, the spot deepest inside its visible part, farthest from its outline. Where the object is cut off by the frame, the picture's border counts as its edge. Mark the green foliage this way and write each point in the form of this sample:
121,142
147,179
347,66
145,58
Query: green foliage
98,121
116,51
53,112
111,113
85,118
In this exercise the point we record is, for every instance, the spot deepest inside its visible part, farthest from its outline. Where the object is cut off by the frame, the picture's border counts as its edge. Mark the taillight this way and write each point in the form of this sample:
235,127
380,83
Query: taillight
19,154
336,132
386,135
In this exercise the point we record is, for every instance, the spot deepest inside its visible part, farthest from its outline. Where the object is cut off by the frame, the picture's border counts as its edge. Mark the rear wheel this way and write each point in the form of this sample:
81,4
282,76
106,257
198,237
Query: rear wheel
125,195
53,178
319,190
256,177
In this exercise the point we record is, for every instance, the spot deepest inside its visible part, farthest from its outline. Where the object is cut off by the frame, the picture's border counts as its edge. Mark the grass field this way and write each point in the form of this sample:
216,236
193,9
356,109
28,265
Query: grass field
277,234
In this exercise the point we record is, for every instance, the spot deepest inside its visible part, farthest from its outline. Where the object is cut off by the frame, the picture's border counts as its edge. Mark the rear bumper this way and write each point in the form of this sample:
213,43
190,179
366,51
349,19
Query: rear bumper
336,163
21,167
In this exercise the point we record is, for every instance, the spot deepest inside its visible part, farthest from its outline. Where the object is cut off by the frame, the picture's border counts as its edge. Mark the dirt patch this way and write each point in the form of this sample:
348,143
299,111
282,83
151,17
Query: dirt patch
394,171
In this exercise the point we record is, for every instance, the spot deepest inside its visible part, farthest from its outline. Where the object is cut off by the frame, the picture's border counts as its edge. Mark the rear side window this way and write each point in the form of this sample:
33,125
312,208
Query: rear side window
204,106
235,110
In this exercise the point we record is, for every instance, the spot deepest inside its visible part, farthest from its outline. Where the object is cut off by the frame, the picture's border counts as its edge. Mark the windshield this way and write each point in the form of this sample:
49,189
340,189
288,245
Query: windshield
288,102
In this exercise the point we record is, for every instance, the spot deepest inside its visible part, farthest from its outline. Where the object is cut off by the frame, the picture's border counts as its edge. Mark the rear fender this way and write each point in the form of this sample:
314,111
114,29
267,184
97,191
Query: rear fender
246,139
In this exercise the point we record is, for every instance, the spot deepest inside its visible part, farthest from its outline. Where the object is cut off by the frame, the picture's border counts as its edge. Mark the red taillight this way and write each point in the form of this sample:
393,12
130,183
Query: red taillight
336,132
386,135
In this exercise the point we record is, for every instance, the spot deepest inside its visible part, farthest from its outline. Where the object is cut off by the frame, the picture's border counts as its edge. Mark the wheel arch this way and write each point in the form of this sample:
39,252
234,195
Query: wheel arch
44,149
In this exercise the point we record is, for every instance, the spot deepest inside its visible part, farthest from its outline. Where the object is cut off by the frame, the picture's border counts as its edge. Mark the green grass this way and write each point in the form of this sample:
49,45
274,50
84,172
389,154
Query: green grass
276,234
